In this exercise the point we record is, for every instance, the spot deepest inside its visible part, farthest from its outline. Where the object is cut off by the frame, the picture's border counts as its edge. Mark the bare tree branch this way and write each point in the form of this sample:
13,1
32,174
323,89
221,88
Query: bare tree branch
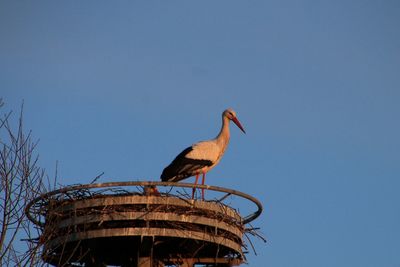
21,181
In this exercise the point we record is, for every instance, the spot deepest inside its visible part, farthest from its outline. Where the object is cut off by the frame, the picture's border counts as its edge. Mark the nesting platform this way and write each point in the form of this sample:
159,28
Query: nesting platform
108,224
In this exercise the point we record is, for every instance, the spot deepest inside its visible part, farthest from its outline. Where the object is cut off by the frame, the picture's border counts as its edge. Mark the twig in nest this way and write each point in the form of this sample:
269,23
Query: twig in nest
225,196
251,244
182,195
96,178
254,231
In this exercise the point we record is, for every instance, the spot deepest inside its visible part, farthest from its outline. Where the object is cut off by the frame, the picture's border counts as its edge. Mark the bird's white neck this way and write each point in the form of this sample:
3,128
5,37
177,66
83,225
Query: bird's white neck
222,138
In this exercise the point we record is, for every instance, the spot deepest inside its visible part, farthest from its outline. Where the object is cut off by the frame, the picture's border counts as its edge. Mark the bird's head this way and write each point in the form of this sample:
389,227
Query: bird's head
231,115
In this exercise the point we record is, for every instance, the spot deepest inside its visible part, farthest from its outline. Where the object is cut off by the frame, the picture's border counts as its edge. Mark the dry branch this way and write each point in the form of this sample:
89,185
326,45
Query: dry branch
21,181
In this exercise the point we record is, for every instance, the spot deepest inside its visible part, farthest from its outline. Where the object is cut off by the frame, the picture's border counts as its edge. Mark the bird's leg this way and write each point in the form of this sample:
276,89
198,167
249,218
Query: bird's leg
195,183
202,182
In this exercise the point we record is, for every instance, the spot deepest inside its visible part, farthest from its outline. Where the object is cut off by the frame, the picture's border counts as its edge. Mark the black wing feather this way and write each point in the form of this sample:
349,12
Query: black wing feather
182,167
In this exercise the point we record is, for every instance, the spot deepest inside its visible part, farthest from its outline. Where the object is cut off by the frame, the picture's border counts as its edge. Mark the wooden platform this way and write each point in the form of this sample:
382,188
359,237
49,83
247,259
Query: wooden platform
141,230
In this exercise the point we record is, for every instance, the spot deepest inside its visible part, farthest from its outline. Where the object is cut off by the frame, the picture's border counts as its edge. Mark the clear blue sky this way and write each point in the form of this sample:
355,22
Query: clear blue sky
123,86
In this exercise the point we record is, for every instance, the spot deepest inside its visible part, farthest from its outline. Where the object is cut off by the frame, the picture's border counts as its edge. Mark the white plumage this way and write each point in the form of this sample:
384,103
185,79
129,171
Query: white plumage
202,156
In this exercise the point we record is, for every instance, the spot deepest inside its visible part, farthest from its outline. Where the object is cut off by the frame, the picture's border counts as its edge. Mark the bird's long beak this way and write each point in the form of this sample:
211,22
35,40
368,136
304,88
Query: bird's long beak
236,121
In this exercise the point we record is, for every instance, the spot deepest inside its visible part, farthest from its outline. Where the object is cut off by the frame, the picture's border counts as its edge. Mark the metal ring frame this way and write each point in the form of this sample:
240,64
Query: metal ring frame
30,213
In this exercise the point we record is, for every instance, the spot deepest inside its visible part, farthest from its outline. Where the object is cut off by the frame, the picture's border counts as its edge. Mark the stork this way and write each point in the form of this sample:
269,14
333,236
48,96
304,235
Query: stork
201,157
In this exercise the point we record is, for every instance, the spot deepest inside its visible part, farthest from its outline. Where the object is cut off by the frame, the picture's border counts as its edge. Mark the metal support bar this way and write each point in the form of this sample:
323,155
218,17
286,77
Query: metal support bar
30,212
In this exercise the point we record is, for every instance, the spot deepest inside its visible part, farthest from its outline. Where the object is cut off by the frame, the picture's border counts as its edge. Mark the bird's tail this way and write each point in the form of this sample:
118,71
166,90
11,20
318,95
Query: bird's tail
168,178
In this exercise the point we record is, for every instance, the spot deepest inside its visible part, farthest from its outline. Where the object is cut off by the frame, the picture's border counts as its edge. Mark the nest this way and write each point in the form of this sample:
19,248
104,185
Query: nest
118,227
